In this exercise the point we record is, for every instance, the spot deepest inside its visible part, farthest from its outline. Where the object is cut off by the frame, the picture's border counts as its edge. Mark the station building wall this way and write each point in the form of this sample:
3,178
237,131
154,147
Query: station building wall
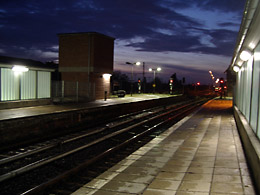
245,64
24,79
24,86
247,94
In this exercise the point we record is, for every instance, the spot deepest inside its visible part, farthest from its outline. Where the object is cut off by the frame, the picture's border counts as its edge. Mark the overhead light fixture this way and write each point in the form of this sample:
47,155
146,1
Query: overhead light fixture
252,45
236,68
19,68
106,76
245,55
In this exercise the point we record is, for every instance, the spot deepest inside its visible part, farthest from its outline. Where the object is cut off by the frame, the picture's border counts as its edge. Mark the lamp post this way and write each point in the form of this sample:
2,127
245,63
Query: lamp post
212,78
154,70
136,63
144,79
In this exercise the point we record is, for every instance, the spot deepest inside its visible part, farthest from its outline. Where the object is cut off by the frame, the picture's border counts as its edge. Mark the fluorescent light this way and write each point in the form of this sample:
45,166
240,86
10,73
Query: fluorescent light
252,45
245,55
18,68
236,68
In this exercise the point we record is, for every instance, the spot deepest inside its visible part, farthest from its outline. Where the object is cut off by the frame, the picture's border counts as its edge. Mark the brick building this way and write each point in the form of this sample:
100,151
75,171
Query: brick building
87,60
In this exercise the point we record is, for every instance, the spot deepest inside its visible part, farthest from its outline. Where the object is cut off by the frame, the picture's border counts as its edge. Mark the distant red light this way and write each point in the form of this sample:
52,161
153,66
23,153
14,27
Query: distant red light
198,83
221,81
171,81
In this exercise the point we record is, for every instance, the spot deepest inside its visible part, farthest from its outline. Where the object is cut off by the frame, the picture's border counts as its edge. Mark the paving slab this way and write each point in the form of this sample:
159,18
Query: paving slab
202,154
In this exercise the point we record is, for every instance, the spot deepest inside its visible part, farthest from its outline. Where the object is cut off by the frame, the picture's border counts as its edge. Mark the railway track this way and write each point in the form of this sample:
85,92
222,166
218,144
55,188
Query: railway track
36,168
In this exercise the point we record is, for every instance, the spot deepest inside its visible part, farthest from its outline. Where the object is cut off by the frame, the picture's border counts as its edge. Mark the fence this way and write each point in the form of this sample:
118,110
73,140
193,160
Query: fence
64,91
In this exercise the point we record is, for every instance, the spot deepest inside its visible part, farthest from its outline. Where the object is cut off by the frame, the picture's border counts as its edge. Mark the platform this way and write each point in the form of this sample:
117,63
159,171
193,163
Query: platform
13,113
202,154
19,126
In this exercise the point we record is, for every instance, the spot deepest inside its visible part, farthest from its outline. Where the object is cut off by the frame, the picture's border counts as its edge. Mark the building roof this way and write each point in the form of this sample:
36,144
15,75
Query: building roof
85,33
248,36
6,61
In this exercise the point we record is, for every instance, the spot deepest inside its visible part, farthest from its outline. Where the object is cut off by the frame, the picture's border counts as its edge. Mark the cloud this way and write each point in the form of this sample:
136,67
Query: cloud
185,36
35,24
163,42
228,24
226,6
54,48
42,54
217,41
2,51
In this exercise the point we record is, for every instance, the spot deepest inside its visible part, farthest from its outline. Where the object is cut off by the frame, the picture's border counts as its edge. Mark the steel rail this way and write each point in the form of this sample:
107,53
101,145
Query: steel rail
45,161
59,143
68,173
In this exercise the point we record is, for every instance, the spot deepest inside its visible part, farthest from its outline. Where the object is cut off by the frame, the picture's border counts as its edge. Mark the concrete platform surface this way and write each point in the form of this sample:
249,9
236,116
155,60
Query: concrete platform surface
202,154
25,125
13,113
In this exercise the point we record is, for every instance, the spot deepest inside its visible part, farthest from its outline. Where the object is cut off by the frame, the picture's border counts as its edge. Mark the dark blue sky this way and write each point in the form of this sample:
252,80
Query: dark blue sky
189,37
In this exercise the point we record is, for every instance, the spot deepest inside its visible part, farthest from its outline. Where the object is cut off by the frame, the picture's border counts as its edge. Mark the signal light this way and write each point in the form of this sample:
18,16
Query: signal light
198,83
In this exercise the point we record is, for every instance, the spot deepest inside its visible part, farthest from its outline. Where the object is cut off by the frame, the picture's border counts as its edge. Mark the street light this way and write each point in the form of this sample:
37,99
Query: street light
144,80
212,78
154,70
136,63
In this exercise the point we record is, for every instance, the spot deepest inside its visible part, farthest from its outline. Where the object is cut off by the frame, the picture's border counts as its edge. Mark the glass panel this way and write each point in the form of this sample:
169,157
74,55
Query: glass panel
257,75
238,90
44,84
28,85
242,89
255,92
248,85
9,85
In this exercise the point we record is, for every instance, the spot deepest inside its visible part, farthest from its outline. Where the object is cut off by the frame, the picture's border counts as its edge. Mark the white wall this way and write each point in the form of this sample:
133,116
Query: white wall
247,91
23,86
9,85
44,84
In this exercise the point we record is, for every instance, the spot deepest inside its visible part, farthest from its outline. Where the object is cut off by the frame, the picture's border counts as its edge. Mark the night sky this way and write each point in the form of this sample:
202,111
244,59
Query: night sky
186,37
